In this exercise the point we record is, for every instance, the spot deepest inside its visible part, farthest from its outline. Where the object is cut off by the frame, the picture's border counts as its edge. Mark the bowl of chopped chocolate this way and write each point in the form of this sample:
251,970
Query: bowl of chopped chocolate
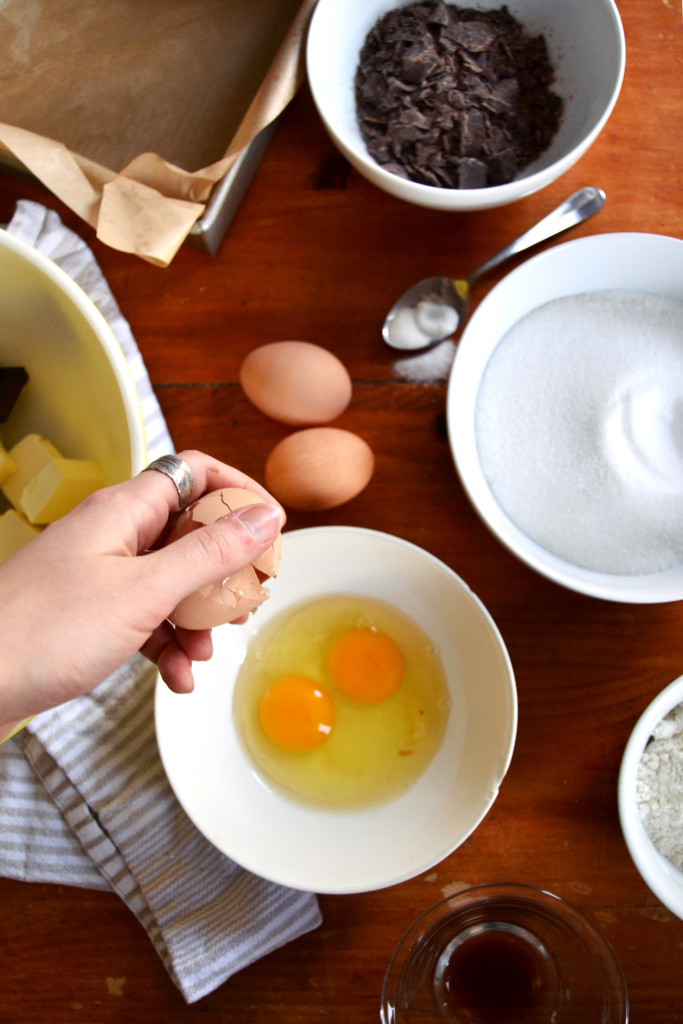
464,107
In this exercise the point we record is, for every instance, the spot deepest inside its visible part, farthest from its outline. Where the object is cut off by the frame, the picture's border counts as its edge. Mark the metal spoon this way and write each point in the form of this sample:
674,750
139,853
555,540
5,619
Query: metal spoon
431,311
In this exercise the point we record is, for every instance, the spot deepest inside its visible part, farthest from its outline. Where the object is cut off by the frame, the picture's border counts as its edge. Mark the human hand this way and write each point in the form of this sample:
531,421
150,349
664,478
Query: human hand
92,588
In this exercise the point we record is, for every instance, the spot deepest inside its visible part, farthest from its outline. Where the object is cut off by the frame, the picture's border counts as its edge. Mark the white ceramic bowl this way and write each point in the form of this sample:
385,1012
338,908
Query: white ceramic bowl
642,262
659,874
80,395
586,47
333,851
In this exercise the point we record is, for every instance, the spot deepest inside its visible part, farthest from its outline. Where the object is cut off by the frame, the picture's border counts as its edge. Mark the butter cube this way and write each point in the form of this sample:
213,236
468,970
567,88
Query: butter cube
15,531
57,487
7,464
30,455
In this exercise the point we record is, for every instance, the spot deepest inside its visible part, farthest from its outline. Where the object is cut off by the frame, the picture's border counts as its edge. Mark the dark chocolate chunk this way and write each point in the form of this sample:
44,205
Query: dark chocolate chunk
419,60
455,97
12,380
475,36
472,173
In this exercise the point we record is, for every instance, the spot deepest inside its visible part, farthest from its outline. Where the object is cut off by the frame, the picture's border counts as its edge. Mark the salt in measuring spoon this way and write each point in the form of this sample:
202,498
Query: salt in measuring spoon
432,310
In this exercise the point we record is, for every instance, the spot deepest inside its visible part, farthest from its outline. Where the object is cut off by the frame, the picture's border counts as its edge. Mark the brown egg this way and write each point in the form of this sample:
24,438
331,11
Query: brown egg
319,468
236,595
296,382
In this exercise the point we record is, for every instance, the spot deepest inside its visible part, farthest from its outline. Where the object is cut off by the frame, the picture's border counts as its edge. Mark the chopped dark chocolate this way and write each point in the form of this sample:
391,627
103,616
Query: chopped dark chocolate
453,96
12,380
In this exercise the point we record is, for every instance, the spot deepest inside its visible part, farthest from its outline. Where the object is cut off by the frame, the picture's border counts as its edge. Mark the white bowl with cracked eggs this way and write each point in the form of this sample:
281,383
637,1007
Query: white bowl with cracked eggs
329,849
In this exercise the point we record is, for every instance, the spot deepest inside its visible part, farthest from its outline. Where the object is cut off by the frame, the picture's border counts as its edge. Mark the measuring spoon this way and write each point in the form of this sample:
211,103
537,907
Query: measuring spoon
430,312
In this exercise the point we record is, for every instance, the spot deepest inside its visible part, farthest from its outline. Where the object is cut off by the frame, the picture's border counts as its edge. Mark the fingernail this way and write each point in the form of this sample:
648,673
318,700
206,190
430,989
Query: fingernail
262,521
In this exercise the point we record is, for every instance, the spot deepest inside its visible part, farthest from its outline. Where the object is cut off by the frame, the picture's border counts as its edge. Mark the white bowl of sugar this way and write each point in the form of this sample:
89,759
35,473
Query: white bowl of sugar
565,415
650,796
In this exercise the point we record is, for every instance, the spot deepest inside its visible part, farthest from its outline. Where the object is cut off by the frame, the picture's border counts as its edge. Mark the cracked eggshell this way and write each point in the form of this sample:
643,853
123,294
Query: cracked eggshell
238,594
296,382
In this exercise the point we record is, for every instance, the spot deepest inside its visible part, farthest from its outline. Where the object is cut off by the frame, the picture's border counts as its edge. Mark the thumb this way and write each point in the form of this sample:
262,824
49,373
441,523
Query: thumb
212,552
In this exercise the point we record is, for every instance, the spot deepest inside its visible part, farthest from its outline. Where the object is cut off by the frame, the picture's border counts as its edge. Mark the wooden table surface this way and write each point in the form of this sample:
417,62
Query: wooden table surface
317,253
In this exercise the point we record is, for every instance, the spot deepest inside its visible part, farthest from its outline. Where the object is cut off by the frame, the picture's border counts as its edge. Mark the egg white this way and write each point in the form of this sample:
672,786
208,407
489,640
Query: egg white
375,751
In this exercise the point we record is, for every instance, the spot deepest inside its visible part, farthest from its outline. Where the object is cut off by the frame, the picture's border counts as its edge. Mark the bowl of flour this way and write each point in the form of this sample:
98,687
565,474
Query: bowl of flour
565,415
650,796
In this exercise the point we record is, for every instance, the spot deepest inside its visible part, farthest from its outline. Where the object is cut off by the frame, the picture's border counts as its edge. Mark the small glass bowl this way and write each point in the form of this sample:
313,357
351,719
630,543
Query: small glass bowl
504,953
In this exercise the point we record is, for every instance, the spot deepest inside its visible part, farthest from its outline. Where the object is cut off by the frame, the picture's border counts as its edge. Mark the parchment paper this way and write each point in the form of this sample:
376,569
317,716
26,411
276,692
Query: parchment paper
130,111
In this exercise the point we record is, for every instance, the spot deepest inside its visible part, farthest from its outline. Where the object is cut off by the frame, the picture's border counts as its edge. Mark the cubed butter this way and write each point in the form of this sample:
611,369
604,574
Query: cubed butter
15,531
8,465
59,486
30,455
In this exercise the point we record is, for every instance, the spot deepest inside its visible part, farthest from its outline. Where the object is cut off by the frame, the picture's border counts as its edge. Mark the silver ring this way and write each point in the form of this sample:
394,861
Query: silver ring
179,472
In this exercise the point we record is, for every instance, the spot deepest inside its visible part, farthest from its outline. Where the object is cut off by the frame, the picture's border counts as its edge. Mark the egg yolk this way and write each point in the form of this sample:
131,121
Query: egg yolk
366,665
296,714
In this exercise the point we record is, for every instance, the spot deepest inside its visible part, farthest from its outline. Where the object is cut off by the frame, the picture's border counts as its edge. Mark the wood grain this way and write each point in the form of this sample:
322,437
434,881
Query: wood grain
317,253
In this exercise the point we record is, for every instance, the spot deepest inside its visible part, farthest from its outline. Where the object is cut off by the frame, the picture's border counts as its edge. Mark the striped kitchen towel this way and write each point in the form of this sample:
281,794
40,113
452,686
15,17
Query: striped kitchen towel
84,799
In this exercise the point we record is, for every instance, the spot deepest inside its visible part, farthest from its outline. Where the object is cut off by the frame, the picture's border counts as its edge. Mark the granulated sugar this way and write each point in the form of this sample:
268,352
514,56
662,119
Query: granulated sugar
579,427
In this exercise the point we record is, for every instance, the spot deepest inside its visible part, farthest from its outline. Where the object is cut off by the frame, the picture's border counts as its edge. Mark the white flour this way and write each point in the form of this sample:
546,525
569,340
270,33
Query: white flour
579,428
659,787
